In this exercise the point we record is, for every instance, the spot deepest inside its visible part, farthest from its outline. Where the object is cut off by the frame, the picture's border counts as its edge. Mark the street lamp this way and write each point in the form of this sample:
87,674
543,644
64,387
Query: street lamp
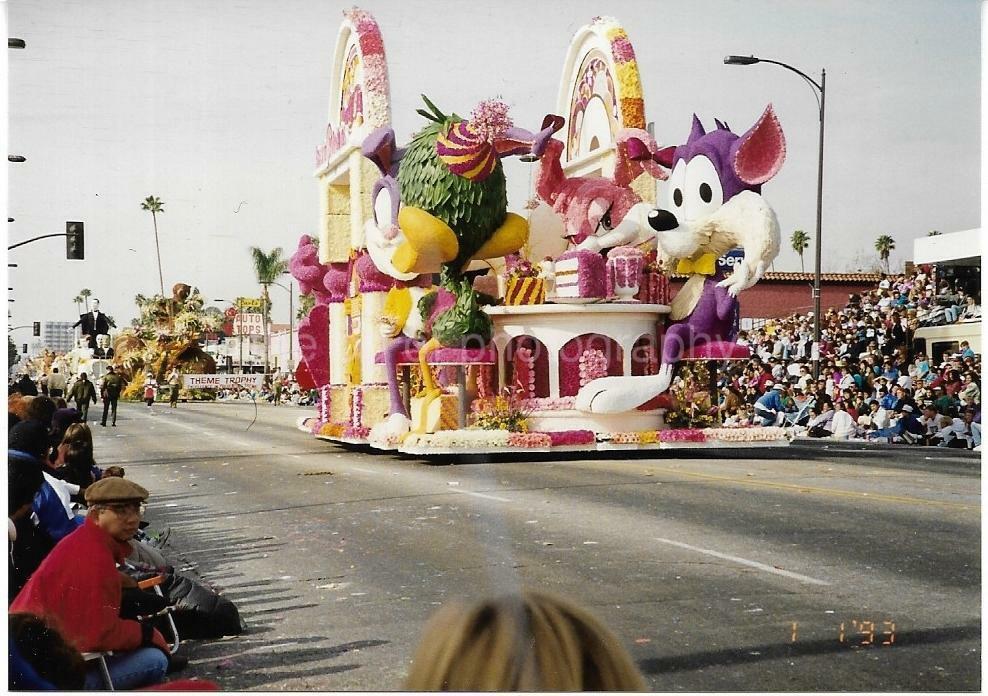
820,87
291,323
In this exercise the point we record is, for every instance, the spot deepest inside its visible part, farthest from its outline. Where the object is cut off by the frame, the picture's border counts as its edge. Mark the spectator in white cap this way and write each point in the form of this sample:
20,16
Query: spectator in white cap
907,429
770,410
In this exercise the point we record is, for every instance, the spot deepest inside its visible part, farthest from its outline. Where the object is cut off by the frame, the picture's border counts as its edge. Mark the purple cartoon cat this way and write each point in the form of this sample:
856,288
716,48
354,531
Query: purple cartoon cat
713,204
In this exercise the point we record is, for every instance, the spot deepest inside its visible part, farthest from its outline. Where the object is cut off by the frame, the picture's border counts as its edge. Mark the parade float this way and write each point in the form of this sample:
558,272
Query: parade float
444,323
165,337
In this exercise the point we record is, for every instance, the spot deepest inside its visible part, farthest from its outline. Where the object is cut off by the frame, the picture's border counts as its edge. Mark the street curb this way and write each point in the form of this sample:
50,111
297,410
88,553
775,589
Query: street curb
862,446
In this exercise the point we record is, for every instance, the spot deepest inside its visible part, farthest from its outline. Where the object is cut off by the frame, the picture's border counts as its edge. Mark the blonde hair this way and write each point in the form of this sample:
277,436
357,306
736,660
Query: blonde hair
527,642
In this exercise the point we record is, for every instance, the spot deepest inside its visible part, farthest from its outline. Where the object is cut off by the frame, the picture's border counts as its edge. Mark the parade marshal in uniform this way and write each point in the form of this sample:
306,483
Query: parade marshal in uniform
93,322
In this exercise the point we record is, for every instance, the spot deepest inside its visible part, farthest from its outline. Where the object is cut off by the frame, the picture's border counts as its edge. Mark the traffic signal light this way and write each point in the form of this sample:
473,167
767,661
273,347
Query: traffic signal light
37,328
75,243
24,348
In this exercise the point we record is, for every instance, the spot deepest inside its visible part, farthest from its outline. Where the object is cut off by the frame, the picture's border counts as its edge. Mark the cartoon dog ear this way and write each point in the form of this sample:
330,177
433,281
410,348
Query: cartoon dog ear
379,147
759,153
634,156
665,156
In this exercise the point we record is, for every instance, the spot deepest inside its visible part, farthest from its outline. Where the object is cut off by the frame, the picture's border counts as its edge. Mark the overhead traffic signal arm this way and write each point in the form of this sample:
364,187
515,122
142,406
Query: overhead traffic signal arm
75,245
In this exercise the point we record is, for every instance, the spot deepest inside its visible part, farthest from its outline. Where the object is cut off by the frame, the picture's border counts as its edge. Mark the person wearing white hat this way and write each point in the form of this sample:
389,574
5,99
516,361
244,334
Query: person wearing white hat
769,408
907,429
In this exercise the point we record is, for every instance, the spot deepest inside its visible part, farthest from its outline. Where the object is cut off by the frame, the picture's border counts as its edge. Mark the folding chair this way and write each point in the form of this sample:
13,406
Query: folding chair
103,668
154,583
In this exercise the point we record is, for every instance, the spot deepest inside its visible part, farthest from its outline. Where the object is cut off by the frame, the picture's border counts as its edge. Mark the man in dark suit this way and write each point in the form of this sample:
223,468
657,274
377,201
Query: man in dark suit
93,322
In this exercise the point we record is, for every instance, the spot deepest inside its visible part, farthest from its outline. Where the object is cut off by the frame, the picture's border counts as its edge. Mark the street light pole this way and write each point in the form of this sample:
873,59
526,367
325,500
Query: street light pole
291,323
820,87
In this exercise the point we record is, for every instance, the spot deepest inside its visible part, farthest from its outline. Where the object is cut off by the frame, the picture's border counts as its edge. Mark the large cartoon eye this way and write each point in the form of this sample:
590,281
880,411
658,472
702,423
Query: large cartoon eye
383,212
702,190
605,221
675,188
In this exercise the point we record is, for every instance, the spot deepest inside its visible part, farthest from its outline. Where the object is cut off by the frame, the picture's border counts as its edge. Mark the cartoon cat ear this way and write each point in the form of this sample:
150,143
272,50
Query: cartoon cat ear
760,152
697,131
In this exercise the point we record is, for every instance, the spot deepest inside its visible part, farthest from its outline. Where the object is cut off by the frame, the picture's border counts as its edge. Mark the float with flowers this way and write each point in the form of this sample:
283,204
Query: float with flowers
444,323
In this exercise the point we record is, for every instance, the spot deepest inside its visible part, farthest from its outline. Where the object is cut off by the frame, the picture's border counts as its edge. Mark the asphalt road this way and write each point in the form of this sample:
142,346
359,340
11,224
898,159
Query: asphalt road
815,570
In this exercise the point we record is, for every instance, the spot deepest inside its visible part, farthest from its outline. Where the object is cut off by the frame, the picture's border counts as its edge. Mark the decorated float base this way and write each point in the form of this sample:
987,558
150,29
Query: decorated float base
472,441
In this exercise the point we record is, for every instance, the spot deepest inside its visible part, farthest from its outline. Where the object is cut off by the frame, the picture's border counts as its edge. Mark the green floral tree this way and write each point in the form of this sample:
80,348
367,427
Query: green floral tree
13,356
884,246
267,268
800,241
305,305
154,206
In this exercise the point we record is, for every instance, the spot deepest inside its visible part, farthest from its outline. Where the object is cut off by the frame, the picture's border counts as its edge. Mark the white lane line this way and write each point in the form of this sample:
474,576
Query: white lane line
745,561
483,495
366,471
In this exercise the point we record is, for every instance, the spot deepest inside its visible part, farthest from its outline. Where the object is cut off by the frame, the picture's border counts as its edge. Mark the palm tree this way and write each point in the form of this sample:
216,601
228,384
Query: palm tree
267,268
800,241
78,301
933,233
884,246
155,206
85,294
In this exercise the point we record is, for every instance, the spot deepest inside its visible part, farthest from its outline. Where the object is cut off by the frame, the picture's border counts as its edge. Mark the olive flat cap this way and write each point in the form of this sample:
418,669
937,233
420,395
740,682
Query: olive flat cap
115,490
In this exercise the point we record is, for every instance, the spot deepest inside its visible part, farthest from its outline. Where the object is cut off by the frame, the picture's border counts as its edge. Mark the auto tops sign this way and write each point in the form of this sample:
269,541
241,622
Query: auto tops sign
248,324
222,381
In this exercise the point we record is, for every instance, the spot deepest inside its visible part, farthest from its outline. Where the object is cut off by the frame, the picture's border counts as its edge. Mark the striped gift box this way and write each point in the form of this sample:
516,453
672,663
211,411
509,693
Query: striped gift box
525,291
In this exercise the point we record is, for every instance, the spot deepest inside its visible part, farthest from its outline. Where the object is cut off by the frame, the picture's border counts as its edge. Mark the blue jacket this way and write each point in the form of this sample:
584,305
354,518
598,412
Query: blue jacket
770,401
52,517
908,423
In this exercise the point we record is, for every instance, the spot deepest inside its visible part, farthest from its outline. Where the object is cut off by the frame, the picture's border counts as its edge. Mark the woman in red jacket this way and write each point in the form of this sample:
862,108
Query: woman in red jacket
78,588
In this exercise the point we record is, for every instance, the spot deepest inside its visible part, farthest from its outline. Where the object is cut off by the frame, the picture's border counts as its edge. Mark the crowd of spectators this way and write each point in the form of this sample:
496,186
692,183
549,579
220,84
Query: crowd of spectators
872,384
76,542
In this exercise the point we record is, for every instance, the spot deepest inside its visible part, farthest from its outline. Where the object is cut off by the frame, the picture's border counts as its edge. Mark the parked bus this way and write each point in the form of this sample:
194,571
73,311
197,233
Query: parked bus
940,341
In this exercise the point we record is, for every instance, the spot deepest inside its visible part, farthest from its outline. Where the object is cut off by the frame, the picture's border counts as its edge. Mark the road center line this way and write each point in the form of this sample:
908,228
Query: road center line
745,561
483,495
817,489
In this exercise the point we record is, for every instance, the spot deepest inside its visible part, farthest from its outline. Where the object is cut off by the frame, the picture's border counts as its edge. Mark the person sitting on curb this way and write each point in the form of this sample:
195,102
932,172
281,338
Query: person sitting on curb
52,505
79,586
769,408
907,429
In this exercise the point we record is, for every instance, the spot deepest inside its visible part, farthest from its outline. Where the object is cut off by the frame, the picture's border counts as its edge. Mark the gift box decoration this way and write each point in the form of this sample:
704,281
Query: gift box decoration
376,405
441,414
654,288
580,274
524,291
339,404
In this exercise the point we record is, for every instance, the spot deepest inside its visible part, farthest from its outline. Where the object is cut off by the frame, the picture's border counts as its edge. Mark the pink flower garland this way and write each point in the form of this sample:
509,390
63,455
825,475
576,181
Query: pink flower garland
356,433
682,435
561,403
529,440
565,438
593,364
357,406
524,367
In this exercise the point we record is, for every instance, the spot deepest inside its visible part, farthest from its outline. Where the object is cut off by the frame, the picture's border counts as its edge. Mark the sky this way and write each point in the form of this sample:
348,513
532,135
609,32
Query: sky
217,106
